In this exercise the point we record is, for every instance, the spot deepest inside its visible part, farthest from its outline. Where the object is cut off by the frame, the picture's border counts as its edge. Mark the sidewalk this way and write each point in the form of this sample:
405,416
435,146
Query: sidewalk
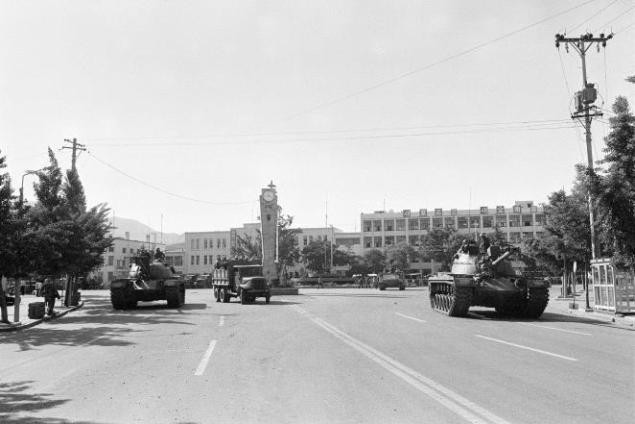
560,305
25,321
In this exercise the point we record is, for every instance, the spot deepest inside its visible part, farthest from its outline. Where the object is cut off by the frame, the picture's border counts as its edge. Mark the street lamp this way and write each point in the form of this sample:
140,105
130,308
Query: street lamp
16,304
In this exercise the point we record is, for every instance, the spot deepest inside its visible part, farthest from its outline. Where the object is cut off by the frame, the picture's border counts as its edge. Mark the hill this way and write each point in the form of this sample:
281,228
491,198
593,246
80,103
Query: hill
138,231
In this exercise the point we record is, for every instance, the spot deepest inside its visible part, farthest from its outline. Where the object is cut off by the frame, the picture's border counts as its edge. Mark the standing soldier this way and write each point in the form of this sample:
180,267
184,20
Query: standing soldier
49,292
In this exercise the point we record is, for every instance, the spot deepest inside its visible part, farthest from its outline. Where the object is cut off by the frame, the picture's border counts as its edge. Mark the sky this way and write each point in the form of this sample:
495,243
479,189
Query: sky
188,108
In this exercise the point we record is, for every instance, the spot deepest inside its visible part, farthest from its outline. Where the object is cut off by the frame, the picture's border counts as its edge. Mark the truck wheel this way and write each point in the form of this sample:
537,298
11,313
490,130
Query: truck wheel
222,295
216,295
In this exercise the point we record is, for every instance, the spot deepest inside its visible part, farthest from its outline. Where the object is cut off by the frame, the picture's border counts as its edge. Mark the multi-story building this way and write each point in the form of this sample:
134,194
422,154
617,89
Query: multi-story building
117,258
175,256
203,249
381,230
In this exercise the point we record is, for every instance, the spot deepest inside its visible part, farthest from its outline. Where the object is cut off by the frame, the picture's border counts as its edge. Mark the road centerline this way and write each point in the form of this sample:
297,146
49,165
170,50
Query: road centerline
203,364
409,317
544,352
581,333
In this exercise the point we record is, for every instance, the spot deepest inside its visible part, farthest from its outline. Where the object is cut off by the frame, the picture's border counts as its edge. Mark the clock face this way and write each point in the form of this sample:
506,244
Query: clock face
268,196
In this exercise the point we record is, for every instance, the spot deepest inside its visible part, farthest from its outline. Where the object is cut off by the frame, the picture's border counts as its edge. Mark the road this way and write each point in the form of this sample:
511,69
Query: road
326,356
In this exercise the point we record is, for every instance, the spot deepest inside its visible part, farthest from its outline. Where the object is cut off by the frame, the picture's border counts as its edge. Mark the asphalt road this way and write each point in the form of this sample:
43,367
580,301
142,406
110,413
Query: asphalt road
326,356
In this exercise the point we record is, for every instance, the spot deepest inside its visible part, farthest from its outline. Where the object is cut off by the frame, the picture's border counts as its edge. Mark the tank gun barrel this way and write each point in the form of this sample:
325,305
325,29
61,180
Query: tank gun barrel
502,257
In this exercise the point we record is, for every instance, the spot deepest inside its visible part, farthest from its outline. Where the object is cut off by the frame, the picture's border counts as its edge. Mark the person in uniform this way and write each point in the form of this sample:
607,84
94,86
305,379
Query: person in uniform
50,293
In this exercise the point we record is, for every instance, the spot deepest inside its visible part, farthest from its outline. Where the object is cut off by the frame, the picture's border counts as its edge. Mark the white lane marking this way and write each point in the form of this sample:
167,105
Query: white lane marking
453,401
203,364
409,317
221,321
544,352
558,329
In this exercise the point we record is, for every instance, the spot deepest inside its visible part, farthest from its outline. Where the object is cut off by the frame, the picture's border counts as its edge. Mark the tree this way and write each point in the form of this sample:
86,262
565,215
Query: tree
247,248
615,189
315,256
7,230
375,260
440,245
400,256
288,251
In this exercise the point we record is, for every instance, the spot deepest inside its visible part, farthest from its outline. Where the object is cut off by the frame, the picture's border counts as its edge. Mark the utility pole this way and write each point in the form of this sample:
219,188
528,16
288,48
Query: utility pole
75,146
585,109
69,289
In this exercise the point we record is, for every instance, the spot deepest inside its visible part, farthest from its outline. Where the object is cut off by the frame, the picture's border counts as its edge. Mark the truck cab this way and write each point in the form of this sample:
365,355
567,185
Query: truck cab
244,281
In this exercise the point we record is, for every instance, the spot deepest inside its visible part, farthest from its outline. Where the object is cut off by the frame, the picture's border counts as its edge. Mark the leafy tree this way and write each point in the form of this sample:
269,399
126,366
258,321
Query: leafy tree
440,245
400,256
288,250
375,260
315,255
615,189
7,232
248,248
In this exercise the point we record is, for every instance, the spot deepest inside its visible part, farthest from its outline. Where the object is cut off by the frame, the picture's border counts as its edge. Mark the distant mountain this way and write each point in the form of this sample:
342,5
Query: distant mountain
137,231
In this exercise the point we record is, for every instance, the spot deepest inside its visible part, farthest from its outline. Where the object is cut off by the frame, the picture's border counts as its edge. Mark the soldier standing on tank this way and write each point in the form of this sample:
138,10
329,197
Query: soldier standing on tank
50,293
159,255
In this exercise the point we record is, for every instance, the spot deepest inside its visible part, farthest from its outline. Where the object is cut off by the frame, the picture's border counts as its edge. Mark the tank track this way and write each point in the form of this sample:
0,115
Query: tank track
451,300
121,300
175,296
532,306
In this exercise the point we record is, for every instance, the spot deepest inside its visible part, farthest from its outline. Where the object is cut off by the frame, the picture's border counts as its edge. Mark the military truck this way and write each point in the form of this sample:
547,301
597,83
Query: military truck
147,280
244,281
485,277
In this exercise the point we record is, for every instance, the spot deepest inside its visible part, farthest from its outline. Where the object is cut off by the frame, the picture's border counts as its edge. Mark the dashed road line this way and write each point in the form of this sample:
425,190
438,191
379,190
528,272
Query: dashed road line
581,333
544,352
409,317
456,403
203,364
221,321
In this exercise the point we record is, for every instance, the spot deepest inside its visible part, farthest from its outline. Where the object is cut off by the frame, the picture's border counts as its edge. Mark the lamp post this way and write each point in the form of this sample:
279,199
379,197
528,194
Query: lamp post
18,288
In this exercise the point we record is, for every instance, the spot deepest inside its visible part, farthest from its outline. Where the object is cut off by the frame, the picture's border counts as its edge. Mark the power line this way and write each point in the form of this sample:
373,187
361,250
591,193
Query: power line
192,199
340,131
621,15
593,16
431,65
369,137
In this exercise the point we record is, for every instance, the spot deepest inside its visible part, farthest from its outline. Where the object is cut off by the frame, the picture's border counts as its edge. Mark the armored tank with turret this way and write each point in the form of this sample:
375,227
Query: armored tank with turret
147,280
484,276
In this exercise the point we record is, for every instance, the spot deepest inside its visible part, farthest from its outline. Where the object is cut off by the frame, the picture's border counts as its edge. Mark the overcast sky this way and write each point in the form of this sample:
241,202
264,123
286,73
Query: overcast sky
361,104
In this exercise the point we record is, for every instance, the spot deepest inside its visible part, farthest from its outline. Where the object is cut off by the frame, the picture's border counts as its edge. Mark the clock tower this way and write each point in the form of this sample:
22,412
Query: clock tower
269,231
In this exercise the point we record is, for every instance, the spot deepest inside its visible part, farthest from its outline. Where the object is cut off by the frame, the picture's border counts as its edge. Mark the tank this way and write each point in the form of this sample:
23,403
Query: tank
148,280
485,277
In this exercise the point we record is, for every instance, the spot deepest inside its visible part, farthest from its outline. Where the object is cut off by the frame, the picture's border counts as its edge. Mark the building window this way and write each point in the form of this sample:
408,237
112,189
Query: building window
540,219
305,240
413,224
423,212
425,223
389,241
438,212
111,260
462,221
111,276
437,222
192,244
368,242
224,243
514,220
389,224
123,250
119,264
484,210
111,249
400,224
368,226
198,244
218,243
401,239
377,242
516,209
488,221
204,259
475,222
205,244
192,260
500,210
449,222
501,221
377,225
527,221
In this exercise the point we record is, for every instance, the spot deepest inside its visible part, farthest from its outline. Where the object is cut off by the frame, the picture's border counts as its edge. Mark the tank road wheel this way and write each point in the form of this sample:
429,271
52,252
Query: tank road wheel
118,299
537,299
450,300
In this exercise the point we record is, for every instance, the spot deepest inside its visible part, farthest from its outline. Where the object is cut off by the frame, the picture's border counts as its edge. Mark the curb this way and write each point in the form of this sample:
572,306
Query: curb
39,321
